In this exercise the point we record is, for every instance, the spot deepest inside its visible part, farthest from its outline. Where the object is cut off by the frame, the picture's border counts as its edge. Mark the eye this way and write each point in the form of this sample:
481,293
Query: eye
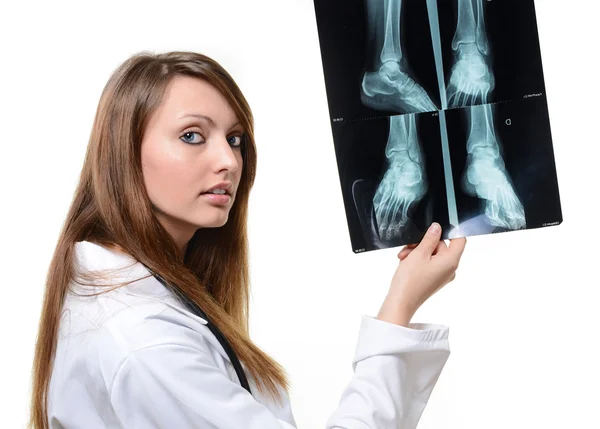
186,136
235,141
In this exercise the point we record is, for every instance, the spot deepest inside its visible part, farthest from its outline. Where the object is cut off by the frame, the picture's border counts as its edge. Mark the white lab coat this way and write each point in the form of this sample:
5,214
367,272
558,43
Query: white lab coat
135,358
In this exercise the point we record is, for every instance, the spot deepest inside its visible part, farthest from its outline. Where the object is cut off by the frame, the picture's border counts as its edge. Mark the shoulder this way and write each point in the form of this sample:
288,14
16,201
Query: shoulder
120,291
120,321
103,326
140,322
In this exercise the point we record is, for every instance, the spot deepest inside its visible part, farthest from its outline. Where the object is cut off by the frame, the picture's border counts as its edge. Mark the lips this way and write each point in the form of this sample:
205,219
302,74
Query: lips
226,186
215,193
217,199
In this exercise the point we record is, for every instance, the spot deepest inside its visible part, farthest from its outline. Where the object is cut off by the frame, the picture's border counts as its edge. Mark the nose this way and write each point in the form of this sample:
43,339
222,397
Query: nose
223,155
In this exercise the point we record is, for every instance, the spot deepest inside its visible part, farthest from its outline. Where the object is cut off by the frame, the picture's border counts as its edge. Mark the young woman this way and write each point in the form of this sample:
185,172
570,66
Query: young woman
146,304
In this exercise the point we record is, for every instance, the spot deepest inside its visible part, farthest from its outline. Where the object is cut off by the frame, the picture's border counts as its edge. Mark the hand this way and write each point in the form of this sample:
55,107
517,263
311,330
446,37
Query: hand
423,270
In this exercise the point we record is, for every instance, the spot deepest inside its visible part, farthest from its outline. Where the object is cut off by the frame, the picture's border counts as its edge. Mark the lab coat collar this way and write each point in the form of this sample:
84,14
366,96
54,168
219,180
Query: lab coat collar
94,257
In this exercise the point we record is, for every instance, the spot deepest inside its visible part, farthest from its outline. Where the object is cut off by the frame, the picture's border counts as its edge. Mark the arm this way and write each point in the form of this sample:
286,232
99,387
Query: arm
179,385
395,371
176,386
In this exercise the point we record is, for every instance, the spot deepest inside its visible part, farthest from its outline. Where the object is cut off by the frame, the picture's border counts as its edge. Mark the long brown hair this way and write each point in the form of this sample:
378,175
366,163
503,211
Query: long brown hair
111,207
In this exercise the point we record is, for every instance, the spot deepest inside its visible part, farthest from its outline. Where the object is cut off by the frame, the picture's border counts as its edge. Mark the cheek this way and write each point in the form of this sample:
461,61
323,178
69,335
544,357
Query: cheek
240,161
166,174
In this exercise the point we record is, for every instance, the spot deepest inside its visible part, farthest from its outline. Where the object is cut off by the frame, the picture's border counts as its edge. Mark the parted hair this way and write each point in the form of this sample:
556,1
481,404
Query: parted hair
111,207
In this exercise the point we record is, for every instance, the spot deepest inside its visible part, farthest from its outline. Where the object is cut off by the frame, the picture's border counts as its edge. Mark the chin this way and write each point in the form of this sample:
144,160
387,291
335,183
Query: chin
214,222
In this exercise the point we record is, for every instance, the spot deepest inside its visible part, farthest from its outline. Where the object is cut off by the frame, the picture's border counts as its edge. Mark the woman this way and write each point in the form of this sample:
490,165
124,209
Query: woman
158,226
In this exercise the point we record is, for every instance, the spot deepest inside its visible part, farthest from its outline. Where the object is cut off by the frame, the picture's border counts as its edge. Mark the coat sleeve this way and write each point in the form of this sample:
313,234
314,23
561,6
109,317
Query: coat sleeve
177,386
395,371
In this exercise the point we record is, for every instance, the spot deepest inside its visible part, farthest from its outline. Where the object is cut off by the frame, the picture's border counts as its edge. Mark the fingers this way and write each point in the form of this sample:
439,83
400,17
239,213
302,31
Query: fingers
431,239
457,246
450,257
431,244
442,246
406,251
410,247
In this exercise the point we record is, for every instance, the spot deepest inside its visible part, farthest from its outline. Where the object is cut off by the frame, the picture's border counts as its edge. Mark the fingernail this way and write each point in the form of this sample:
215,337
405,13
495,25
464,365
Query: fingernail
434,228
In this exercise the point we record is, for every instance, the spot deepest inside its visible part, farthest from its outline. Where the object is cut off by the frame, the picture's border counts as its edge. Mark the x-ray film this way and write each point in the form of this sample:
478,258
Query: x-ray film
438,113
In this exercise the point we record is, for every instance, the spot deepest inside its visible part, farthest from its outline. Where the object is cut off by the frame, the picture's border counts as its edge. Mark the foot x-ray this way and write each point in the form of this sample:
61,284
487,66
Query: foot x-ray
439,113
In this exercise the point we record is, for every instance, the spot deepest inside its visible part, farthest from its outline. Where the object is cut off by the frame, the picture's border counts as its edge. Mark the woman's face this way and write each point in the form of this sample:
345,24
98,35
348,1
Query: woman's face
190,145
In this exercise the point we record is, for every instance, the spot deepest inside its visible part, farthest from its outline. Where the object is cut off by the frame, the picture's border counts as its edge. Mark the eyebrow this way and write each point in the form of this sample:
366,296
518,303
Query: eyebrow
206,118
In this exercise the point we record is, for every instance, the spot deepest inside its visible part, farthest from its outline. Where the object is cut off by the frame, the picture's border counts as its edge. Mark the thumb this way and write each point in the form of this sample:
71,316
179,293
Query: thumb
430,239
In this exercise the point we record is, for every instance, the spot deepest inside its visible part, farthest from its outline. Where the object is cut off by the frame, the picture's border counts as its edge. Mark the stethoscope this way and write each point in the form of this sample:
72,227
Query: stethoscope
193,307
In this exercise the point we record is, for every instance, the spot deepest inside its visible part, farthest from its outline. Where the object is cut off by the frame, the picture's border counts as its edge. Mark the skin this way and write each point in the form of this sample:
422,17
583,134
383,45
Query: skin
422,271
183,156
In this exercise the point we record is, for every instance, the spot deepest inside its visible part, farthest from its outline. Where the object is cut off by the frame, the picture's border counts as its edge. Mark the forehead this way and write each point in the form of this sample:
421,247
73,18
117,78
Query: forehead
190,95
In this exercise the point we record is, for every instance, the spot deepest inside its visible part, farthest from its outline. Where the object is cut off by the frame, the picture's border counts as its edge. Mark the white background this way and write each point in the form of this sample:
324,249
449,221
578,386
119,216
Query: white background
523,310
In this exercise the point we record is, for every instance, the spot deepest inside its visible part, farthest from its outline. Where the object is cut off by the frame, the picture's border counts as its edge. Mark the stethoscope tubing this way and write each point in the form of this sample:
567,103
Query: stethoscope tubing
194,308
